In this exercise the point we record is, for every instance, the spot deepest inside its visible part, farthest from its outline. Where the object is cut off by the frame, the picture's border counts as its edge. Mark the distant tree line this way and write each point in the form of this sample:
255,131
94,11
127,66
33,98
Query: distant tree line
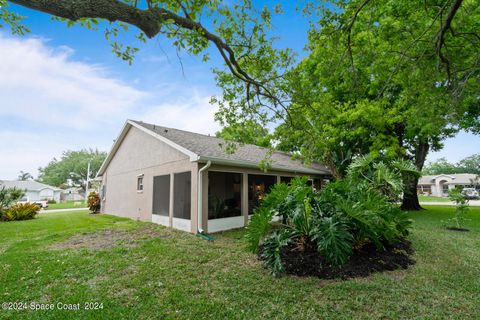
72,167
469,164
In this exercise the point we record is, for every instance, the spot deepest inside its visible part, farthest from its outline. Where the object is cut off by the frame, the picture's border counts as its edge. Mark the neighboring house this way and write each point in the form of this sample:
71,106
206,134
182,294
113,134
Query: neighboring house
439,185
152,173
73,194
34,191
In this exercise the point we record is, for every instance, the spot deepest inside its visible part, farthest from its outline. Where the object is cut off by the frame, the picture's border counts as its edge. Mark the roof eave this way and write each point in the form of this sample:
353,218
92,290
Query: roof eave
247,164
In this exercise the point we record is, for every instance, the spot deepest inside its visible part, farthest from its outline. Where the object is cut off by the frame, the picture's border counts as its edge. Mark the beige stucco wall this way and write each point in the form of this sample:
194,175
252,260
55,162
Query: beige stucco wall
138,154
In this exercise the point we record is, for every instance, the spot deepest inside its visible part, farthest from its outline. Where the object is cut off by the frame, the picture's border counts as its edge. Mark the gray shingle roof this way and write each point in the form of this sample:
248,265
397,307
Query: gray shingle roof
457,178
28,185
213,147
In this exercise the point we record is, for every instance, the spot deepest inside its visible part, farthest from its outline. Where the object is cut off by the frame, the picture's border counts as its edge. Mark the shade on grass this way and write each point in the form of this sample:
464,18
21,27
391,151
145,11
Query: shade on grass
177,275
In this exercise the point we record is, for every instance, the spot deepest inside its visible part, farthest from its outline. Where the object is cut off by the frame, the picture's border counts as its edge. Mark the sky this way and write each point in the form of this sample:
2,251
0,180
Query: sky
63,89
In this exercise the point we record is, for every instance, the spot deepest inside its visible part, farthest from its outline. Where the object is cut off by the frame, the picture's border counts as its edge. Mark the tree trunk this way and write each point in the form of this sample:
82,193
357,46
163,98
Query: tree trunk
410,198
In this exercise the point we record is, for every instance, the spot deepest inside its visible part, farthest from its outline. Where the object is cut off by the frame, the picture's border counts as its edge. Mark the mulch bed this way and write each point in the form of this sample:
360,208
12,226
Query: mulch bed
362,263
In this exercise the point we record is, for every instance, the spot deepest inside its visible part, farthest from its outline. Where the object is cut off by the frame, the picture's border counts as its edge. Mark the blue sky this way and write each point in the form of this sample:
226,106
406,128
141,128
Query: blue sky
62,88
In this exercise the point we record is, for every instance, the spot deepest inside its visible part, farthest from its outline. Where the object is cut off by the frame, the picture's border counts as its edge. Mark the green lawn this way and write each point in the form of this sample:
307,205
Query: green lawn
67,205
432,199
178,275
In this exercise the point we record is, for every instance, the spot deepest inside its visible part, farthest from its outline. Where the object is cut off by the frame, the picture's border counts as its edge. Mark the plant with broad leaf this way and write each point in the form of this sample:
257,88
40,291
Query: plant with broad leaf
345,215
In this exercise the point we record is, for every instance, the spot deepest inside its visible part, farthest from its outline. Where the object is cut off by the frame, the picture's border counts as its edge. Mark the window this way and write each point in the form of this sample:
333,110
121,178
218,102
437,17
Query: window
258,186
445,188
140,183
161,195
286,180
224,194
182,186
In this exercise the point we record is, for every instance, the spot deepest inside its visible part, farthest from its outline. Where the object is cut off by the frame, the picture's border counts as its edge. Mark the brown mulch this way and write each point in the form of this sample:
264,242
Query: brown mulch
362,263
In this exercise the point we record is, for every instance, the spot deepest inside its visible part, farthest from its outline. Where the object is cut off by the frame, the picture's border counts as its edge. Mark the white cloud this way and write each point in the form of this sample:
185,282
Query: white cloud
44,85
193,113
49,102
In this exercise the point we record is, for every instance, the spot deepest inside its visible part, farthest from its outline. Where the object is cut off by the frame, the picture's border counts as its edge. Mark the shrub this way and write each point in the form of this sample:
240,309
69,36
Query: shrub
94,202
461,208
8,196
23,211
51,201
347,214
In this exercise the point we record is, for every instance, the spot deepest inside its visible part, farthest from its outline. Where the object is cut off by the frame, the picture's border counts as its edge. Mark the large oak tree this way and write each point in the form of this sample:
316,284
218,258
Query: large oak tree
392,78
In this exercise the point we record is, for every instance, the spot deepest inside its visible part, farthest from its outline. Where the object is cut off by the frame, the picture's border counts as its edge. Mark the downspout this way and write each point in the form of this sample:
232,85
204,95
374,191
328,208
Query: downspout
200,197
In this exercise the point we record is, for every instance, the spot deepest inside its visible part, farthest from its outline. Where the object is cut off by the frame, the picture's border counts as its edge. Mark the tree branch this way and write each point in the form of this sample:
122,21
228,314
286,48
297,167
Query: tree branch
149,21
349,29
441,34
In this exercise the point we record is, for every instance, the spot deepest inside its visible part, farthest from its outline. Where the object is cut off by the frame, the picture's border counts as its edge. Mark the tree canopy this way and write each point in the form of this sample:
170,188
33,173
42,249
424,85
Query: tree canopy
249,132
24,176
72,167
382,78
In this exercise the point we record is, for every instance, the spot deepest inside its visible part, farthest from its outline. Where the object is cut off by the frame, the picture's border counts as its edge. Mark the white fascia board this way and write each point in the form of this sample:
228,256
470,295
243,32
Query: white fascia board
247,164
443,175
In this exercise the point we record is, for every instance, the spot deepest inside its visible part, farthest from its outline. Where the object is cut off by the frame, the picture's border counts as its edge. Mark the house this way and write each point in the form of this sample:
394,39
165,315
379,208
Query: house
73,194
34,191
187,181
439,185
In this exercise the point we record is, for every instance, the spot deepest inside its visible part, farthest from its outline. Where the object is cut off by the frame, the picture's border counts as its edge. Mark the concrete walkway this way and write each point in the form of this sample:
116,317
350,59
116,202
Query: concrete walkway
63,210
473,203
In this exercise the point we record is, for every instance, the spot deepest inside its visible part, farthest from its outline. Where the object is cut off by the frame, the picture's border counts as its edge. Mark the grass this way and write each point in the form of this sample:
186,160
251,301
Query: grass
67,205
432,199
178,275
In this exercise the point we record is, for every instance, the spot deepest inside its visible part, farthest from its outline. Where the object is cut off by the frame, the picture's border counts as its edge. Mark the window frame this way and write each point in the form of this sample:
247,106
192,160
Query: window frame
140,183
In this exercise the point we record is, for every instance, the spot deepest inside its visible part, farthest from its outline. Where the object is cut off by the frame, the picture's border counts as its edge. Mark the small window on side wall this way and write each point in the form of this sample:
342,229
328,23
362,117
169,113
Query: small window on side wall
140,183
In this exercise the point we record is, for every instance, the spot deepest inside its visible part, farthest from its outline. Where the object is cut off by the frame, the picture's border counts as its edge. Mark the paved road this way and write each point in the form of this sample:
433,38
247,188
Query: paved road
473,203
63,210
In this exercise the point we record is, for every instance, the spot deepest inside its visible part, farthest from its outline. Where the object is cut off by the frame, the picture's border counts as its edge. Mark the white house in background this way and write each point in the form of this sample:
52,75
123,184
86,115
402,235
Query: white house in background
439,185
73,194
34,191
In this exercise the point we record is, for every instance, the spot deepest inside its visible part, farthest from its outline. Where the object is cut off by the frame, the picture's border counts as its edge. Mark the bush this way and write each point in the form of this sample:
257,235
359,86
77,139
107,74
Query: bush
51,201
347,214
94,202
24,211
461,208
8,196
